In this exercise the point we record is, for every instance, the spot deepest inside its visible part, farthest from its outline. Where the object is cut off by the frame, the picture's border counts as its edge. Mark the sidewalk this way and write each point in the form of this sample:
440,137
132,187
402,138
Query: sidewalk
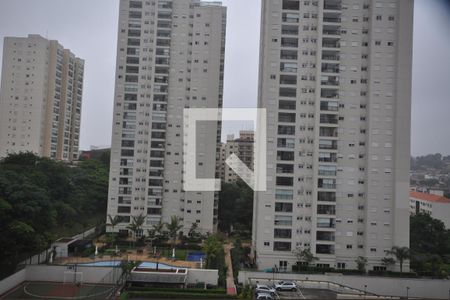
231,287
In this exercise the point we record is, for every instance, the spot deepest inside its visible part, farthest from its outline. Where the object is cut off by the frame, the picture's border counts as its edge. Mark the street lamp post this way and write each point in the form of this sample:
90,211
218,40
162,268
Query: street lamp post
365,291
407,292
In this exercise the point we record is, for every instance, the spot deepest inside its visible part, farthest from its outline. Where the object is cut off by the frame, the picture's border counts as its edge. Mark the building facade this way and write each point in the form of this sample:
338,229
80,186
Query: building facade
335,78
242,147
437,206
170,56
40,98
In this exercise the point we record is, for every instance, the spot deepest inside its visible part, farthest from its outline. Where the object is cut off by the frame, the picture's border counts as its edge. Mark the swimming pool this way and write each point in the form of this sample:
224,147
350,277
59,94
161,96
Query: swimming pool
113,263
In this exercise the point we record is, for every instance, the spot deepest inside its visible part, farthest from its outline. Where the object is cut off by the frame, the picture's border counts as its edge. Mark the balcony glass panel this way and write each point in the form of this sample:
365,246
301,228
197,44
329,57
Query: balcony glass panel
326,196
325,249
283,220
289,29
282,233
325,223
287,104
282,246
284,194
286,117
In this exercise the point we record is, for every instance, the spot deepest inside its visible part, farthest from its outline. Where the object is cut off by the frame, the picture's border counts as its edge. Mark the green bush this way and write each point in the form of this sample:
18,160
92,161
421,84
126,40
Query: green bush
393,274
175,290
176,295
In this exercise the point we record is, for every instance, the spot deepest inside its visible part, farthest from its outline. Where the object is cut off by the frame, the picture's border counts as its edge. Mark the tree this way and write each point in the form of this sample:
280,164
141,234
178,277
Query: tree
361,263
235,207
387,261
304,255
174,227
113,222
401,253
42,200
136,225
193,230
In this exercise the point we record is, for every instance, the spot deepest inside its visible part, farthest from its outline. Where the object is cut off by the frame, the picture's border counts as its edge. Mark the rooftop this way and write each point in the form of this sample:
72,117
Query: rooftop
428,197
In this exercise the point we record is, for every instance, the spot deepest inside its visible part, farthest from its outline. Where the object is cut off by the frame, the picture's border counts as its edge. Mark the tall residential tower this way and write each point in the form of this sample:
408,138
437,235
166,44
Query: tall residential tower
335,78
170,56
40,99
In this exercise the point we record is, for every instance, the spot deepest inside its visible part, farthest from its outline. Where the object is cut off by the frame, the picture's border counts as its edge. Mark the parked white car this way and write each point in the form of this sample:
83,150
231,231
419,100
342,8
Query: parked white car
264,296
264,289
286,286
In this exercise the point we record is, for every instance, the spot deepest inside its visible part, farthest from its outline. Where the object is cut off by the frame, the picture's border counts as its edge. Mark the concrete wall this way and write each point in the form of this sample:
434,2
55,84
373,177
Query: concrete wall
427,288
205,276
12,281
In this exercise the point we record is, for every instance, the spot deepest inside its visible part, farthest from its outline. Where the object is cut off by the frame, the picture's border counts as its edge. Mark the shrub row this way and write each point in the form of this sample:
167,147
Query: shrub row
172,295
175,290
393,274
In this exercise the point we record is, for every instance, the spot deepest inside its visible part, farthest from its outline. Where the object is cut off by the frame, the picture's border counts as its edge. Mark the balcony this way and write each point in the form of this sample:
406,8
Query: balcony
285,169
289,54
286,117
289,42
331,43
287,104
325,236
329,105
331,17
325,223
279,233
331,55
287,92
332,5
331,30
328,119
327,157
290,17
326,196
329,80
286,130
289,30
326,209
327,144
330,68
288,67
288,79
285,155
291,4
326,170
328,132
324,183
325,249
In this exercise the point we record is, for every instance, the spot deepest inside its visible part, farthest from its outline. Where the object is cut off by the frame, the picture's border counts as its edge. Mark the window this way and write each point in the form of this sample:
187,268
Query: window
282,246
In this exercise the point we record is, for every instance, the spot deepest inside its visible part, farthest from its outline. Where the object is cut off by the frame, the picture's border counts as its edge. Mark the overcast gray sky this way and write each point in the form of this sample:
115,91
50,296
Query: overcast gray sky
89,29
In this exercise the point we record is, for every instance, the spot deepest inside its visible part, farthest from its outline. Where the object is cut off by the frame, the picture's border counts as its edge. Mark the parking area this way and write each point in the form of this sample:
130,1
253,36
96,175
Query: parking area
298,292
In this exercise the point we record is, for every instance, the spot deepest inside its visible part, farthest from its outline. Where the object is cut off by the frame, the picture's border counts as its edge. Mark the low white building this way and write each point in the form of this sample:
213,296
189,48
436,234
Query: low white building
436,206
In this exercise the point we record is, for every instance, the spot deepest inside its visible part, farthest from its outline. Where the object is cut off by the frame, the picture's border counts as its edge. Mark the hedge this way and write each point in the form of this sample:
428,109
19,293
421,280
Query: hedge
172,295
393,274
175,290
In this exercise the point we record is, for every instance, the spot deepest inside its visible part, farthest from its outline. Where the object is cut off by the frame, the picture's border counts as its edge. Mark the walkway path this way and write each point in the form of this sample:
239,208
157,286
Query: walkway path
231,287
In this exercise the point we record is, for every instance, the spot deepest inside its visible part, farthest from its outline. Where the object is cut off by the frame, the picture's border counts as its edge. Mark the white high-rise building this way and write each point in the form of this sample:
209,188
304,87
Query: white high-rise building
170,56
335,78
40,98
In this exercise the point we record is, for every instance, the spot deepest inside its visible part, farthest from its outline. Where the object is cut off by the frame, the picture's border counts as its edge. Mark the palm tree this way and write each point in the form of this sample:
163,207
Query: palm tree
136,225
387,261
401,253
173,227
113,221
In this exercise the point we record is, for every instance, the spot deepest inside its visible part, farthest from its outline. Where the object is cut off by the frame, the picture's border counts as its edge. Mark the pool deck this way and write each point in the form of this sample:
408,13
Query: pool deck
133,256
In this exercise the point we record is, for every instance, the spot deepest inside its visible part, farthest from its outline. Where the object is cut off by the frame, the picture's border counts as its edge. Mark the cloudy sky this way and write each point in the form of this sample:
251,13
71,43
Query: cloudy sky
89,29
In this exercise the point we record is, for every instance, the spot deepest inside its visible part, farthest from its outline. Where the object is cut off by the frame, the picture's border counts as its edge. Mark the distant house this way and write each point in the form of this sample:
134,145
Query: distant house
93,153
436,206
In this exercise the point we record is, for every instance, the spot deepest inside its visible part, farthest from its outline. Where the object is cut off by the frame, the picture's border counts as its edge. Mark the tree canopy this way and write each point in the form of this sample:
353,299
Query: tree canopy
41,198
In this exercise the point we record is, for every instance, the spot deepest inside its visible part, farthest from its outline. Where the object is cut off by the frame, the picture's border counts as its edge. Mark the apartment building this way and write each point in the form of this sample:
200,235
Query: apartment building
242,147
436,206
335,78
170,56
40,98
